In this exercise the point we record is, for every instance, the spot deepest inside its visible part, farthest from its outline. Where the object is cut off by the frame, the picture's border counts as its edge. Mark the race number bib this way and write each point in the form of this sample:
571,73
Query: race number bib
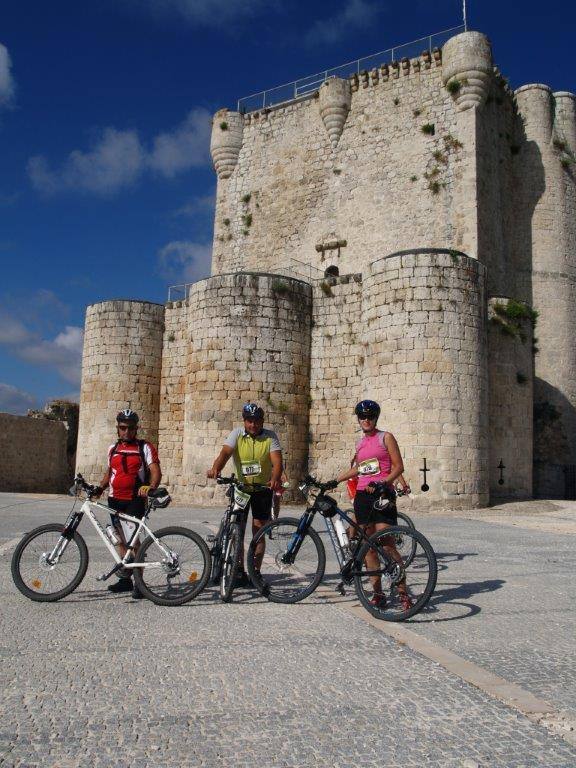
369,467
251,468
241,499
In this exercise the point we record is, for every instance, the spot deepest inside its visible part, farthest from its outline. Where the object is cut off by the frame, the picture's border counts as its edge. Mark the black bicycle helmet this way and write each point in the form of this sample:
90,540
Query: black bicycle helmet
367,409
252,411
127,415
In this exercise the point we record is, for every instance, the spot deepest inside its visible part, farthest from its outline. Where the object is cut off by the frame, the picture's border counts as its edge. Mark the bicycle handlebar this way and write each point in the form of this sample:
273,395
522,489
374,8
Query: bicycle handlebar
233,480
328,486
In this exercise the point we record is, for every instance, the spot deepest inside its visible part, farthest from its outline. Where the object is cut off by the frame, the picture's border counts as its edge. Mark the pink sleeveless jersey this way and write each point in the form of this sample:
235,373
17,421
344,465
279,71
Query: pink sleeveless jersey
372,448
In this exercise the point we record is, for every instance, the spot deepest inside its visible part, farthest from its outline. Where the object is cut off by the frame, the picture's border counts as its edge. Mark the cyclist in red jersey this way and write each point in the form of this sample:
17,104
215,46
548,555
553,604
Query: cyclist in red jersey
133,470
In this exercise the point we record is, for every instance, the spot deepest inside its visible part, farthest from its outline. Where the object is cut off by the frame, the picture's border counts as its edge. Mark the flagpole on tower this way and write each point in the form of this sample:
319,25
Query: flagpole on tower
464,14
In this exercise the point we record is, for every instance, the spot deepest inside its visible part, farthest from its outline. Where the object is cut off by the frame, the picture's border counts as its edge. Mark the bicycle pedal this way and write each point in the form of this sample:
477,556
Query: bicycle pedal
210,538
340,588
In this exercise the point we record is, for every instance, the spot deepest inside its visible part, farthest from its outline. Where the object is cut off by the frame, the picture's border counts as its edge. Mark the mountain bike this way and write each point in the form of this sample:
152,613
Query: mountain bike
391,588
406,546
170,567
227,547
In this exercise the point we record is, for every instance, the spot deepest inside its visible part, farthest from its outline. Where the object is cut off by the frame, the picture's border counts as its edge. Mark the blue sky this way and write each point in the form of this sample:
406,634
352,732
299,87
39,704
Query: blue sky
106,185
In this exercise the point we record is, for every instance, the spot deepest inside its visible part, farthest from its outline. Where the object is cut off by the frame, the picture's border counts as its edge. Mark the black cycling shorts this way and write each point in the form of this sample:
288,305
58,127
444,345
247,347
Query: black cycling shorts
367,515
134,507
261,504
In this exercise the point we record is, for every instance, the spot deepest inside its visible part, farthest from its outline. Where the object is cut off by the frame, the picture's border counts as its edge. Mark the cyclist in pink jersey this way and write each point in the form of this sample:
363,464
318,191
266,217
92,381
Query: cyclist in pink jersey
377,460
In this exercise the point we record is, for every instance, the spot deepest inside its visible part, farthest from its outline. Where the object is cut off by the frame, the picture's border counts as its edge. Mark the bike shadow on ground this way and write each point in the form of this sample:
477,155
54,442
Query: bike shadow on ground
451,595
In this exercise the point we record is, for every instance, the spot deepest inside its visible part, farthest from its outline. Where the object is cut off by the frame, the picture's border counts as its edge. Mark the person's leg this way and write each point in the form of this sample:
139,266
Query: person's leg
124,582
261,514
389,546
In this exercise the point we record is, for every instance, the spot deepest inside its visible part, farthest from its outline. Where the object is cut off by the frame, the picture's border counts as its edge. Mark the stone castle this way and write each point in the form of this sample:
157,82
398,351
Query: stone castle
399,235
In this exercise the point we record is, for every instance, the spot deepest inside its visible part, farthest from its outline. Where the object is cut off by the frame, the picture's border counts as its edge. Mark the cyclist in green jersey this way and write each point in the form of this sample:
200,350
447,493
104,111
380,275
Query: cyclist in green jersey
257,456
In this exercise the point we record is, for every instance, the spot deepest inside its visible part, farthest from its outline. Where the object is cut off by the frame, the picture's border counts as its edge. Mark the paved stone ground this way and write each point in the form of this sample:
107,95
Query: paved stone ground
103,680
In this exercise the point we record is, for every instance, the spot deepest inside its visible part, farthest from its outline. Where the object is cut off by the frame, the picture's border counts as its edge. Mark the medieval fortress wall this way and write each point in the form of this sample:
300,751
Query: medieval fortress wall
440,195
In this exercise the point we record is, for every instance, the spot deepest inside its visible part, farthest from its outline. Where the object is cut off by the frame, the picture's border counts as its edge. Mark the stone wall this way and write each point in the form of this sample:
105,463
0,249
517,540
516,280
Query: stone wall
121,367
511,383
549,178
382,184
34,455
338,354
248,340
424,324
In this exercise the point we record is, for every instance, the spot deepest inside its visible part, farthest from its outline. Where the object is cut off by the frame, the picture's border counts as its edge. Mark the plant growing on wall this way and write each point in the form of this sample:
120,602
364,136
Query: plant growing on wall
223,126
429,129
326,288
280,287
508,317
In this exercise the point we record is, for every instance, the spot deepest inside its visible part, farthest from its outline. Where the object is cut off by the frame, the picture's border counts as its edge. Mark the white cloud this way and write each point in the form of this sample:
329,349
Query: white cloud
202,205
210,13
118,159
7,84
63,352
182,261
185,147
355,15
15,401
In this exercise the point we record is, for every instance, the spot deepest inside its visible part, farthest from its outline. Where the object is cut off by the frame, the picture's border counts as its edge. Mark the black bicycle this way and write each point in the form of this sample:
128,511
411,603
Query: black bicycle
388,586
226,548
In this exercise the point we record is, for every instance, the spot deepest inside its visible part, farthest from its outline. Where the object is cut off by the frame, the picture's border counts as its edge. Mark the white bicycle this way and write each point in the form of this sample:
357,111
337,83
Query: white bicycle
170,567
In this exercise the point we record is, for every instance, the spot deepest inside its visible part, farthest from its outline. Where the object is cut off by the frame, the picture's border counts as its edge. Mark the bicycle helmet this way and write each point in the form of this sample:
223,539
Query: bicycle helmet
161,498
127,415
367,409
252,411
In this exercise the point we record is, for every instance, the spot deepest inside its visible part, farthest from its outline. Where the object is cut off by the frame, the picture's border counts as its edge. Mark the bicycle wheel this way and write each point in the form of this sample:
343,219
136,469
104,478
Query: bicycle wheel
406,546
277,580
418,579
42,580
216,564
230,562
176,566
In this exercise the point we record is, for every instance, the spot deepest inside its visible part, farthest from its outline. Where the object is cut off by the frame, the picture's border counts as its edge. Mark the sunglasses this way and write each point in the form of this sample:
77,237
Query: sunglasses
126,427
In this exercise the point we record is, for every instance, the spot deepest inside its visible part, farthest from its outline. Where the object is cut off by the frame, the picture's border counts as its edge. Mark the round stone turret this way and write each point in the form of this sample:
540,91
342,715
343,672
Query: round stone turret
226,141
121,367
467,68
335,100
534,103
565,118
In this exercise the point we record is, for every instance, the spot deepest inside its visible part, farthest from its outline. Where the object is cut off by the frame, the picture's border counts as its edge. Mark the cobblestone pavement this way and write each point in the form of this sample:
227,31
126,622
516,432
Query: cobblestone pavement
103,680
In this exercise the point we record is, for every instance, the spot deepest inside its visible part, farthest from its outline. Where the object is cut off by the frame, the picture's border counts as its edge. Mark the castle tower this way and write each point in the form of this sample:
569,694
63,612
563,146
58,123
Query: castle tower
249,340
548,186
121,367
424,325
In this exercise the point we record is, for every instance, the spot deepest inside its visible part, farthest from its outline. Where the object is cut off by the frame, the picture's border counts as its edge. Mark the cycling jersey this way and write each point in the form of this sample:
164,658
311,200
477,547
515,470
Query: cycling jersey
252,454
373,460
128,463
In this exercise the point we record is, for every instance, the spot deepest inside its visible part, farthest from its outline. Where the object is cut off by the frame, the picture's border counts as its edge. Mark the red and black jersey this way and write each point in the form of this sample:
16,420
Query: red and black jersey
128,463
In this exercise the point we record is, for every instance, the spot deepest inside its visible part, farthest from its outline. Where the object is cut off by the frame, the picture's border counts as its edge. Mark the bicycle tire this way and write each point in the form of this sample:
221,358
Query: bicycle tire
281,583
420,575
406,547
167,585
30,586
216,563
230,562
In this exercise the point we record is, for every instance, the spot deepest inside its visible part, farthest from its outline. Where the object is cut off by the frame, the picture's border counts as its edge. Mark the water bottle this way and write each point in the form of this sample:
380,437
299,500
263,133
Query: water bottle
111,533
341,532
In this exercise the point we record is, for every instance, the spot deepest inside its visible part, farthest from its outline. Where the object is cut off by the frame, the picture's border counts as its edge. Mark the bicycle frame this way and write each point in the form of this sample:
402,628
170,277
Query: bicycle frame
75,518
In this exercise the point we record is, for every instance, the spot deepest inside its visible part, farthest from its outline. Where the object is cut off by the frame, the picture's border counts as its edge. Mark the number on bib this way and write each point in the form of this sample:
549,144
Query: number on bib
251,468
369,467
